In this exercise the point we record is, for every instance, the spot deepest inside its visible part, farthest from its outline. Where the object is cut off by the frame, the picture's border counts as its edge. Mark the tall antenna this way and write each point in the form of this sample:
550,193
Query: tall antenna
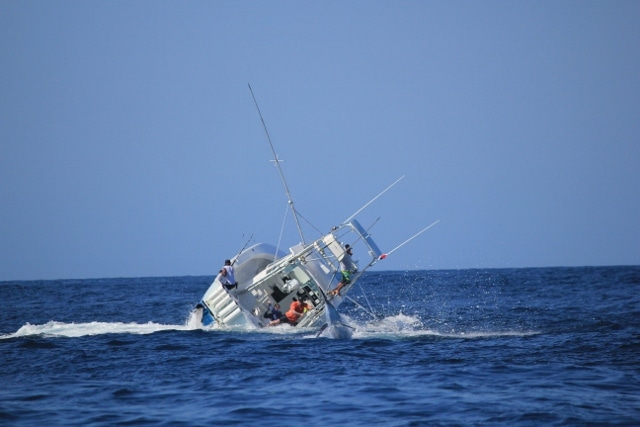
277,161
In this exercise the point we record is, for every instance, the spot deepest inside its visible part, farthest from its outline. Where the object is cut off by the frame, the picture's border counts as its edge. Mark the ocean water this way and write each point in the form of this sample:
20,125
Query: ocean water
515,347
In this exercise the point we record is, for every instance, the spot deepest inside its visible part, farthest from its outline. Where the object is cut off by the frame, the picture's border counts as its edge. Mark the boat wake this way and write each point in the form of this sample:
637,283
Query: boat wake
54,329
391,327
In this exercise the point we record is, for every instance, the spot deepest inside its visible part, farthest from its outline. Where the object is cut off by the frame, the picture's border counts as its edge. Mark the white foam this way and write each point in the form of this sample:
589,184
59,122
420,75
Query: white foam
391,327
194,321
61,329
402,326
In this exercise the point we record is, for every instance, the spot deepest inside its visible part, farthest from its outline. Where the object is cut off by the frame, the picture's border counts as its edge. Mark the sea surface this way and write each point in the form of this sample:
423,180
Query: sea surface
503,347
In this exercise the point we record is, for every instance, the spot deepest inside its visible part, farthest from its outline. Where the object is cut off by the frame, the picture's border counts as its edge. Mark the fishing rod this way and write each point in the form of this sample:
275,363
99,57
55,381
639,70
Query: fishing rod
235,258
383,256
277,161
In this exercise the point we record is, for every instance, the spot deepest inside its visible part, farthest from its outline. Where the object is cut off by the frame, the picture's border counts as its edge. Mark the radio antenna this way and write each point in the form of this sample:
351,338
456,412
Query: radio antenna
277,161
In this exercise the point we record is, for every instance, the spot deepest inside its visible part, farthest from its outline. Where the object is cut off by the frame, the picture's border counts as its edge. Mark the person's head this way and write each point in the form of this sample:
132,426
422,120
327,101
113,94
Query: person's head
227,262
348,250
277,306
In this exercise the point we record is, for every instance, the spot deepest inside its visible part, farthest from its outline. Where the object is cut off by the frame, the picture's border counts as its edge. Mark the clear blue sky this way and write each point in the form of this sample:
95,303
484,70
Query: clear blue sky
130,145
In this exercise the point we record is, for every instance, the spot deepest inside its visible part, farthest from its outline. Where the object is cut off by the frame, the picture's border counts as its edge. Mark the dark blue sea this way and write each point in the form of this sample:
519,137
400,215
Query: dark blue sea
505,347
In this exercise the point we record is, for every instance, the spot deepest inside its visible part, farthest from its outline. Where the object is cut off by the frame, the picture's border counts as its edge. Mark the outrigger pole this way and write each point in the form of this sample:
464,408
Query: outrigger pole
277,161
383,256
372,200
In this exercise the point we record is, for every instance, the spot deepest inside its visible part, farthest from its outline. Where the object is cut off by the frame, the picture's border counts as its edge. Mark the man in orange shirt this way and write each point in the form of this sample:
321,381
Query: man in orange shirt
296,311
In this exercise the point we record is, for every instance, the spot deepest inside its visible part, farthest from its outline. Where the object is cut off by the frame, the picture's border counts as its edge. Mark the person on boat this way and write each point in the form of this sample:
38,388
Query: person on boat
229,275
224,280
276,316
297,309
347,266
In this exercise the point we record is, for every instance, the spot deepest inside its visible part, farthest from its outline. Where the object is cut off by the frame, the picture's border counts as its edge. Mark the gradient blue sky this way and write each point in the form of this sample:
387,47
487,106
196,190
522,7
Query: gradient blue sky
130,145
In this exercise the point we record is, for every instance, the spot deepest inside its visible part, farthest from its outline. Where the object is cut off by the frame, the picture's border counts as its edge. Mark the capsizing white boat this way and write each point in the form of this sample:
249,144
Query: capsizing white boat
307,273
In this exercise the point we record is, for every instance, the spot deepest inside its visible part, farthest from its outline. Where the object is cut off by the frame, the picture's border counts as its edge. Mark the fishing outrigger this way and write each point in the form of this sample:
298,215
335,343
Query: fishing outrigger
267,276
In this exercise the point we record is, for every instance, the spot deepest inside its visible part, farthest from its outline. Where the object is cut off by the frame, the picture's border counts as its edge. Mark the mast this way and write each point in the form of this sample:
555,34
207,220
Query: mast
277,161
